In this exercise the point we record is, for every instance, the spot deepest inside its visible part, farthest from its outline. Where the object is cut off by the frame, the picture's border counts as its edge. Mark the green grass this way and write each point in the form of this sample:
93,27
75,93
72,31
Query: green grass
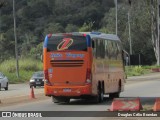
139,70
26,68
150,67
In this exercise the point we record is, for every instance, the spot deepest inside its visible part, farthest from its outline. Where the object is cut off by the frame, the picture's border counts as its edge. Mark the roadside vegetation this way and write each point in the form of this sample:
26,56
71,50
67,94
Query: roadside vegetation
139,70
26,68
30,65
37,18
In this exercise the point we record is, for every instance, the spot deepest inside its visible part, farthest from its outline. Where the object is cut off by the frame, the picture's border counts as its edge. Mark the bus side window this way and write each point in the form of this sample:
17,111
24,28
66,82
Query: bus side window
93,46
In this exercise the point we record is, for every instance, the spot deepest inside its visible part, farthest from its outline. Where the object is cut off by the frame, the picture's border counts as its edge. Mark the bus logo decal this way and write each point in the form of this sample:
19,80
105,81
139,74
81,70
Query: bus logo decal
65,44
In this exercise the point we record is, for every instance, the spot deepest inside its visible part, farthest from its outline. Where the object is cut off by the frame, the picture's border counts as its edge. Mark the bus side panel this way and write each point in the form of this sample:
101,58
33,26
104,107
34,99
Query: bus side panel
107,67
94,82
115,72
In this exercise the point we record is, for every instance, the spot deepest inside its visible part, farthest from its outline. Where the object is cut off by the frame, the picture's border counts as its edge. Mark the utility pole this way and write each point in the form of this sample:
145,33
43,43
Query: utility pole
2,4
15,35
0,21
158,52
129,28
116,6
129,31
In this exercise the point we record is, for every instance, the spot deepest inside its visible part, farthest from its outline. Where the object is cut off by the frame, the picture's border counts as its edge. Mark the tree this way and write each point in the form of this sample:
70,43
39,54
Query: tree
71,28
54,28
36,18
154,28
37,51
2,4
140,27
87,27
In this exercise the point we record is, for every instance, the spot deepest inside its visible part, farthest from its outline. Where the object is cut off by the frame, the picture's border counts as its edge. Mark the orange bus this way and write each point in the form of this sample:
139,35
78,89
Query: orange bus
82,65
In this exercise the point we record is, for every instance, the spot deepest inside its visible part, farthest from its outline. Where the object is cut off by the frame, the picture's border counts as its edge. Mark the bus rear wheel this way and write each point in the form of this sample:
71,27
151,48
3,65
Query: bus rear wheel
100,94
54,99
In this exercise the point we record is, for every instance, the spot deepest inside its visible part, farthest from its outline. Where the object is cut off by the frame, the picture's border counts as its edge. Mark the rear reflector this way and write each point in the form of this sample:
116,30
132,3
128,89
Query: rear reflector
46,74
46,81
88,76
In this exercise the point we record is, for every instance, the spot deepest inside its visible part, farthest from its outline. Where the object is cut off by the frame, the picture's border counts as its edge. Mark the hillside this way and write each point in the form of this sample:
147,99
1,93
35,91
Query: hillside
36,18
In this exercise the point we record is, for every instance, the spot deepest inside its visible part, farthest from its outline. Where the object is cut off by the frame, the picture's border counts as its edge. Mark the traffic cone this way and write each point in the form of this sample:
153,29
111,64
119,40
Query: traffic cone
32,93
156,106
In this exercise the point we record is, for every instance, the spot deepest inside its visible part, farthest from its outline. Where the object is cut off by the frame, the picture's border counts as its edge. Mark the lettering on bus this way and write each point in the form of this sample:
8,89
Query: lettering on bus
56,55
70,55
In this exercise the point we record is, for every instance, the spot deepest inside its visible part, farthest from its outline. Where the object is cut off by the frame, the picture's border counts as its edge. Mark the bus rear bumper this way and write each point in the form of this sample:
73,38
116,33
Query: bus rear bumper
68,91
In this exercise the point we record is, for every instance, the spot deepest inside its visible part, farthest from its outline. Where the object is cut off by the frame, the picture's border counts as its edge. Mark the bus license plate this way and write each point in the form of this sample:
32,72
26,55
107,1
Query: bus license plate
66,90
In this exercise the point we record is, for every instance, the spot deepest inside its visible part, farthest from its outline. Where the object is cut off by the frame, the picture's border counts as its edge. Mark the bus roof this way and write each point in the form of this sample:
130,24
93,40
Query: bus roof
92,35
101,35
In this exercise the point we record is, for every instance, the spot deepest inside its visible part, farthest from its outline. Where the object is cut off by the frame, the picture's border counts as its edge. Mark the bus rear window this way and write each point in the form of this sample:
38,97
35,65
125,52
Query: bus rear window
59,43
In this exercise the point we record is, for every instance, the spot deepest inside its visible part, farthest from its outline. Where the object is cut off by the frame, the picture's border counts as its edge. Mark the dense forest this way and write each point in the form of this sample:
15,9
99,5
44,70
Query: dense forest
36,18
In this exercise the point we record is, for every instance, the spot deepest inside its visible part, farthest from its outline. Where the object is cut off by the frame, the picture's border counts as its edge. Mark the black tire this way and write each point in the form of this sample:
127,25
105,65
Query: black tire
119,86
55,100
98,98
111,95
6,88
34,86
66,100
117,95
0,87
100,94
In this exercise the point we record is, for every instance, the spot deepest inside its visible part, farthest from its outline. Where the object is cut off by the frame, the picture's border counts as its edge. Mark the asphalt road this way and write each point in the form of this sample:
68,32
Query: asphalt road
146,87
17,90
147,91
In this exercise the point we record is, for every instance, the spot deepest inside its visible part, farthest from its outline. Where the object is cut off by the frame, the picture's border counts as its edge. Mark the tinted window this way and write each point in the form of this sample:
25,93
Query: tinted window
67,43
100,48
107,49
1,75
38,74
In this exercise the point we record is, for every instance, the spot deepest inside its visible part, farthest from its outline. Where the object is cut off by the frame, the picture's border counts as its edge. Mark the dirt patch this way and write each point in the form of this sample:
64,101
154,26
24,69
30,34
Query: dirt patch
147,108
21,99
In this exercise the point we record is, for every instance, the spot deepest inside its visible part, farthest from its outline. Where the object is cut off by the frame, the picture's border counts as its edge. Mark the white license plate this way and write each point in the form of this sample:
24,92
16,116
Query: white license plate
66,90
38,82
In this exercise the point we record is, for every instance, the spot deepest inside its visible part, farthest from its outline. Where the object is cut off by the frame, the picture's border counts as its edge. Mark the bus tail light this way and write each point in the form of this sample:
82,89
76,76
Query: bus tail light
46,81
88,76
